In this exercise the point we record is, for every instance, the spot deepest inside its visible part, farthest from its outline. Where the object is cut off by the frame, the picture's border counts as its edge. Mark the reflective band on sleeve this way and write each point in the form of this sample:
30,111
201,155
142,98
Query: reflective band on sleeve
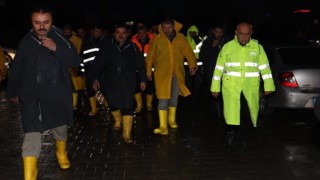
251,64
219,67
232,73
90,50
216,78
88,59
235,64
152,69
266,76
196,51
198,63
264,66
81,64
251,74
145,54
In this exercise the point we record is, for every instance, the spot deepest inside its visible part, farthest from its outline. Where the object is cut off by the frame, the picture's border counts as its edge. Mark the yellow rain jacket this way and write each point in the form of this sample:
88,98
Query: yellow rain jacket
167,58
241,68
78,81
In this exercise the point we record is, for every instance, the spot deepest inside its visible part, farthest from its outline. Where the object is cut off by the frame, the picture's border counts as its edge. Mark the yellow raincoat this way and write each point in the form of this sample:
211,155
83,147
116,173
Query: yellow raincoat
167,58
78,81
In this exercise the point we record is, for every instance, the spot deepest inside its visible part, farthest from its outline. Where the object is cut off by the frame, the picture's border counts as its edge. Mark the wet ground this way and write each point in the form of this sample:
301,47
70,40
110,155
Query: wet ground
283,148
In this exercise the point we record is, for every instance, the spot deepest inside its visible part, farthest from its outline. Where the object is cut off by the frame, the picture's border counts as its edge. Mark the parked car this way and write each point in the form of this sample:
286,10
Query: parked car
296,74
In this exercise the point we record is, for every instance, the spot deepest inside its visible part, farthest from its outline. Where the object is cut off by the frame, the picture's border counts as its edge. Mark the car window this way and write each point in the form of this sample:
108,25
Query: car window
300,56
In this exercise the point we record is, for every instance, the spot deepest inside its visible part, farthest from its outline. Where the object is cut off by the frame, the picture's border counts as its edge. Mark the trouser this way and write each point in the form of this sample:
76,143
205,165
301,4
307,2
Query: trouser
31,146
194,82
173,101
124,111
242,131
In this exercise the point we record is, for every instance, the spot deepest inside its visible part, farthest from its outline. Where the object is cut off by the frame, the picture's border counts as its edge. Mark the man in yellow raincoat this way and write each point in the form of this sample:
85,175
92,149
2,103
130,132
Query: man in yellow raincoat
241,64
166,55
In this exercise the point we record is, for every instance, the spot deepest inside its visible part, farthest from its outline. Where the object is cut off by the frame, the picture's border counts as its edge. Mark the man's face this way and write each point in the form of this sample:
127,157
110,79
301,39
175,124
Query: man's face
243,33
67,32
142,34
81,32
96,33
218,33
193,33
168,29
121,35
41,23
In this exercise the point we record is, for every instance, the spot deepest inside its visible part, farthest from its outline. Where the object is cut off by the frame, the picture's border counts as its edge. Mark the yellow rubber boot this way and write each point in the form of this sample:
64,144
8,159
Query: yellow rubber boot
138,98
75,100
117,119
127,127
149,99
93,105
62,154
163,121
172,117
30,167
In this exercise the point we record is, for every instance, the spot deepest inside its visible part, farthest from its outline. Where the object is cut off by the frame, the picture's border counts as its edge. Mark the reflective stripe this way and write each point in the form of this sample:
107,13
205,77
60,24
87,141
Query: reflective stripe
266,76
198,63
81,64
145,54
237,74
232,73
233,64
88,59
264,66
251,74
251,64
90,50
152,69
217,78
196,51
219,67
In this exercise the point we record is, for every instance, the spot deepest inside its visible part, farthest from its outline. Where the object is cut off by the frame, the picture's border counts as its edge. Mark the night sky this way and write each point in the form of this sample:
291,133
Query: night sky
266,15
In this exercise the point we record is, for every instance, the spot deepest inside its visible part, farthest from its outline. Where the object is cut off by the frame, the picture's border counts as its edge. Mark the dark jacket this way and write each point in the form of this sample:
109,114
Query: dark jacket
41,80
209,55
115,67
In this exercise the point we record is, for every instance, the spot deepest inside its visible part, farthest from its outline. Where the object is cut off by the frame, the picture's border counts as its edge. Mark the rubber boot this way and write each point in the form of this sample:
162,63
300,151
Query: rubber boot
138,98
30,167
230,140
93,105
117,119
62,154
149,98
75,100
163,121
172,117
127,127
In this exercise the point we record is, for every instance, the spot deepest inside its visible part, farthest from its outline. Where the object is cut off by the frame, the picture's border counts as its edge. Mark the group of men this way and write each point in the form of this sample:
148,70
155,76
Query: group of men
40,79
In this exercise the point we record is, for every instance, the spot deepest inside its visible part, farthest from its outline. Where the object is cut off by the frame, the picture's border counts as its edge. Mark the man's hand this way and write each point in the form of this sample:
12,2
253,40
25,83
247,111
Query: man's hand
96,85
48,43
215,94
149,77
192,71
268,92
143,86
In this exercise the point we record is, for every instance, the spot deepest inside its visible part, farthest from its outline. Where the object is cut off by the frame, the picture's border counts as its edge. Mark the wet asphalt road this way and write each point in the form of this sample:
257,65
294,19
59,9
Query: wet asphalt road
284,147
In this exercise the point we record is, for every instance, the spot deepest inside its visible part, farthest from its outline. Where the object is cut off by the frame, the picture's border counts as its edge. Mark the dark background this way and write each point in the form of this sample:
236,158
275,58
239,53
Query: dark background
274,21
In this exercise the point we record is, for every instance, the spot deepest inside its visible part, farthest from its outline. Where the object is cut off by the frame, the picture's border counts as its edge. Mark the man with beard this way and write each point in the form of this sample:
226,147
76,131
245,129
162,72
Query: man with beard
40,81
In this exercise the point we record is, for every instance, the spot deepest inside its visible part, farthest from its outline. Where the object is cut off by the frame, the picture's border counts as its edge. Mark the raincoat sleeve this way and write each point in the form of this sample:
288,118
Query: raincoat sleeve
265,70
189,54
150,57
218,72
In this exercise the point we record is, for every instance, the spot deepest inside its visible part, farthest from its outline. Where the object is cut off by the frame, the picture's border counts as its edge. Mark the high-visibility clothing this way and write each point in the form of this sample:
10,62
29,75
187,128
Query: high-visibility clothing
240,68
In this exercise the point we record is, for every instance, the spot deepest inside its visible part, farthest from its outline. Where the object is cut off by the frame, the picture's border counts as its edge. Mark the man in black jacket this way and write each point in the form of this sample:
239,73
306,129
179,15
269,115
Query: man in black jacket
115,68
40,81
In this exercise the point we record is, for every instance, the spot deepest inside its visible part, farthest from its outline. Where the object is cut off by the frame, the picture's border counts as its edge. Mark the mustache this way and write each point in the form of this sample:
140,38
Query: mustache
42,29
